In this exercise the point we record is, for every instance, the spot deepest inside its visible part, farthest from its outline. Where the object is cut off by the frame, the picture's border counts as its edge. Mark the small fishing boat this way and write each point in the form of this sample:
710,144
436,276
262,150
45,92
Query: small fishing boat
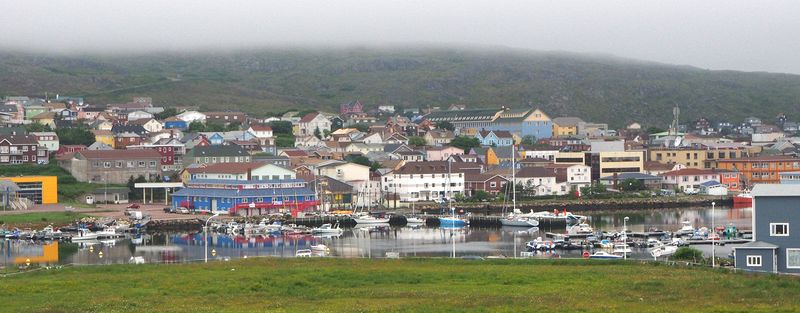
581,228
620,248
602,255
83,235
663,250
369,219
745,198
452,222
414,220
108,232
519,221
686,229
327,229
319,247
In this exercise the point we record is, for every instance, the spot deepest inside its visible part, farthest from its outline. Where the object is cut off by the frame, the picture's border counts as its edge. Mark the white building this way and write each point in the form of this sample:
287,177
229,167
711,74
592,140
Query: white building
47,140
192,116
424,181
138,115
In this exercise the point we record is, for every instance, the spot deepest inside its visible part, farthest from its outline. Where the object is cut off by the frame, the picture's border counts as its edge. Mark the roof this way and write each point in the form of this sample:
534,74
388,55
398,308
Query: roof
228,168
234,193
653,165
261,128
20,139
295,153
567,121
638,176
473,177
756,245
441,134
430,167
710,183
776,190
527,172
309,117
462,115
120,154
231,150
690,171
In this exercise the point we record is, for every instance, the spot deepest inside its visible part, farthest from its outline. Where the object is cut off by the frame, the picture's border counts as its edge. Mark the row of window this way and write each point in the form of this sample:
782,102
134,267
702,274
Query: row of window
792,259
120,164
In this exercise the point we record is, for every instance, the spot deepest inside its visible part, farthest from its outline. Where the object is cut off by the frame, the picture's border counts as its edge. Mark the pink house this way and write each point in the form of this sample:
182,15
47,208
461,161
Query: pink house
442,153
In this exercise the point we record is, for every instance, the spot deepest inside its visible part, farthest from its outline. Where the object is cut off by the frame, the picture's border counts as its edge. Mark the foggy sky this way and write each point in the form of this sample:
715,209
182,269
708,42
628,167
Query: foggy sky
714,34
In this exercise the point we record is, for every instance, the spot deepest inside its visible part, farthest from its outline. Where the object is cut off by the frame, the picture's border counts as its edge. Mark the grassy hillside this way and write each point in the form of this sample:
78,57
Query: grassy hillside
593,87
422,285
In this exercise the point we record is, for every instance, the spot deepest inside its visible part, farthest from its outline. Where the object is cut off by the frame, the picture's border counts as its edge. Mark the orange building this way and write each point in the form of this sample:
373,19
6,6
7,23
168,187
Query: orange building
762,169
733,180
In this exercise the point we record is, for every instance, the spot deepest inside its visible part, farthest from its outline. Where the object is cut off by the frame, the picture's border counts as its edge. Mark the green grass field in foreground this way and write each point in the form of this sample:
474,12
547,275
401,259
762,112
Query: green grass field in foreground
40,218
425,285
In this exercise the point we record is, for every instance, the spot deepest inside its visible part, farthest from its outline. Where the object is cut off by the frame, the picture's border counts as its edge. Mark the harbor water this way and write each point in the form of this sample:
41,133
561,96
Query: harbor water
362,242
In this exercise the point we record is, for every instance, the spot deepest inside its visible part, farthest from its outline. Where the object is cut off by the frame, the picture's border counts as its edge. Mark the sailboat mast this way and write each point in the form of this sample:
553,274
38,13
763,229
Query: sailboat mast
513,180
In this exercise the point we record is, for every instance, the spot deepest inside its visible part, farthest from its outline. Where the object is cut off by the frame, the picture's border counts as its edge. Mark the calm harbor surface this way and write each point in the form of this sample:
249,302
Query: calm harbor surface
361,242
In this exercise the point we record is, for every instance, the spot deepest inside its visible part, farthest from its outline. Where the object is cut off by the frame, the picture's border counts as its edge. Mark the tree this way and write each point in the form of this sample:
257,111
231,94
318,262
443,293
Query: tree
360,159
416,141
135,193
317,133
36,127
284,141
168,112
631,184
362,127
529,140
196,126
281,127
233,127
465,143
445,125
480,195
655,130
213,127
327,133
77,135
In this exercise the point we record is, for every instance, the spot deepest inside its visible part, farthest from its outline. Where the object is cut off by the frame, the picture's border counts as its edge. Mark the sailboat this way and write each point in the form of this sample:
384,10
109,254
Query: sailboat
512,219
364,217
413,219
452,221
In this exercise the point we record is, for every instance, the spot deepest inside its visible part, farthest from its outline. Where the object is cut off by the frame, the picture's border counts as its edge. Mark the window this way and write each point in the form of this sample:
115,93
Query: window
152,164
141,163
779,229
753,260
792,258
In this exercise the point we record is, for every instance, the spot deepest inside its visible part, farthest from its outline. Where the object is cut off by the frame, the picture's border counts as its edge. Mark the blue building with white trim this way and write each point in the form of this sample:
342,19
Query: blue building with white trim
776,242
246,197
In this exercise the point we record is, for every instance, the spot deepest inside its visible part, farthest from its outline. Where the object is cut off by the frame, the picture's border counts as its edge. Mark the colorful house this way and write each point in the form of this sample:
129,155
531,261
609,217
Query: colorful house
245,197
104,136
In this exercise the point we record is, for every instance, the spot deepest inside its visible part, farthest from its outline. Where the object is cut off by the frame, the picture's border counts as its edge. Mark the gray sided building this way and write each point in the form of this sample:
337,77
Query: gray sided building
776,245
113,166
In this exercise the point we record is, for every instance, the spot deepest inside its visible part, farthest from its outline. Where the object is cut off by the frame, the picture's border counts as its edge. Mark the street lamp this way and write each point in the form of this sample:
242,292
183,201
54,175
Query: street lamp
205,235
713,231
625,237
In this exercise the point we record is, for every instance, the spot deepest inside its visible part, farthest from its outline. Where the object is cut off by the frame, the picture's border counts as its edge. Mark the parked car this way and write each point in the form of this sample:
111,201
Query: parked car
133,206
183,210
170,210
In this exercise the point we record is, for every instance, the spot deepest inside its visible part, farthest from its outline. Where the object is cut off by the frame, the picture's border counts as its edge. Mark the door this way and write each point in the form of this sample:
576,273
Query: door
213,205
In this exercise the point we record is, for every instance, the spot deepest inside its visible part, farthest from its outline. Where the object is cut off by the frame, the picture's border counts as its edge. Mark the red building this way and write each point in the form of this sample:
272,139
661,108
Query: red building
18,149
354,107
67,149
474,182
171,151
124,140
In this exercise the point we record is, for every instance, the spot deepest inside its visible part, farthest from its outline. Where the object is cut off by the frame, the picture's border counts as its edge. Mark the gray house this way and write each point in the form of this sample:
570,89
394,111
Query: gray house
775,247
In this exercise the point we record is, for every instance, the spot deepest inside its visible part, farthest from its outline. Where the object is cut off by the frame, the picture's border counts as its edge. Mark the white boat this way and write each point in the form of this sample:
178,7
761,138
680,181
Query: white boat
620,248
686,229
84,234
369,219
602,255
319,247
109,232
327,229
581,228
414,220
663,250
606,244
520,222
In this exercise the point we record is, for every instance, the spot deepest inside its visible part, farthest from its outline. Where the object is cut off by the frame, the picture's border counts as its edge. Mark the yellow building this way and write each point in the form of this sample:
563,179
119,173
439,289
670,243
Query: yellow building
565,126
39,189
701,158
104,136
616,162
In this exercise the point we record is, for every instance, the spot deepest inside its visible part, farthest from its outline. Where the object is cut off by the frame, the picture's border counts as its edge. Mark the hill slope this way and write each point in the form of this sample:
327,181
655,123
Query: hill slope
602,89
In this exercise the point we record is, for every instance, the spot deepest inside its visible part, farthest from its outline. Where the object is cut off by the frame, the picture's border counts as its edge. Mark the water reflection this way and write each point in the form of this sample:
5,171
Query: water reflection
362,242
